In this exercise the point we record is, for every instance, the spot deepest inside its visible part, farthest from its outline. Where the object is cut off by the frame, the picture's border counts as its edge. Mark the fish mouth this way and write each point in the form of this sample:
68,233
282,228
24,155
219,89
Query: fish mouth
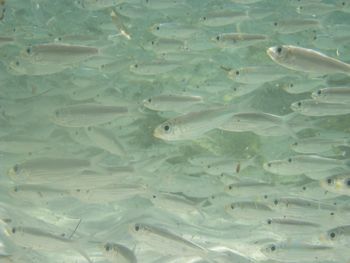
156,134
270,52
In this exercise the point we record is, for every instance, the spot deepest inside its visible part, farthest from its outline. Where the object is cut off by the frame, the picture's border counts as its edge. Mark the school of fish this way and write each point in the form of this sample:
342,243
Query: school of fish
174,131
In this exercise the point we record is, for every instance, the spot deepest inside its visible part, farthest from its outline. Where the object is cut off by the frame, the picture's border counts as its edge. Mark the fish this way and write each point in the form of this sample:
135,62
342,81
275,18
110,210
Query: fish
153,68
317,145
38,239
238,40
332,95
261,123
171,102
87,114
301,164
192,125
223,18
117,253
311,107
59,54
165,240
306,60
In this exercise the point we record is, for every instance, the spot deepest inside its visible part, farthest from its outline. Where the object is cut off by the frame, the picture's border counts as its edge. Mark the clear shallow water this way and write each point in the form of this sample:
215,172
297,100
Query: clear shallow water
162,131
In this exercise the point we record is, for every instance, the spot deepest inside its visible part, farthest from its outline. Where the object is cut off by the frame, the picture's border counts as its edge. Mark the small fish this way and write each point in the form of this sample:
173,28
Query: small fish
289,26
39,169
192,125
301,164
298,250
166,241
318,145
153,68
171,102
310,107
332,95
6,40
302,85
38,239
223,18
174,30
116,253
85,115
261,123
306,60
255,74
59,54
238,40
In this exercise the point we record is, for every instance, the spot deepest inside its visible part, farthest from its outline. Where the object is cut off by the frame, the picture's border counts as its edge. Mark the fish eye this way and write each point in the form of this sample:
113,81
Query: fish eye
149,100
332,235
17,63
329,181
237,72
204,18
166,127
107,247
136,66
275,23
299,104
269,221
269,164
347,182
13,230
157,28
230,187
290,160
319,92
279,50
28,50
16,168
232,206
275,202
137,227
273,248
291,85
295,144
217,38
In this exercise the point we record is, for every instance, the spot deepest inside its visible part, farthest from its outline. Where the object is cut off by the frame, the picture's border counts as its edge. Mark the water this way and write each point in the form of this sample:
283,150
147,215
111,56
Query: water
163,131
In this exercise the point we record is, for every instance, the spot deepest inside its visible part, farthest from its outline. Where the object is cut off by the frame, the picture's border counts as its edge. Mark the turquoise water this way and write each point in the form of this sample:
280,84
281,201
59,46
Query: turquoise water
174,131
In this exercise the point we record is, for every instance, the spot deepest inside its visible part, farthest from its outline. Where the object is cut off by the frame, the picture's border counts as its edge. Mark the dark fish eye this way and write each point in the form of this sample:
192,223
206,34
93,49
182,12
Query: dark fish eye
232,206
157,28
269,164
166,127
269,221
237,72
107,247
347,182
15,168
319,92
295,144
137,227
204,18
17,63
218,38
275,24
290,160
275,202
13,230
28,50
279,50
329,181
332,235
273,248
299,103
149,100
291,85
136,65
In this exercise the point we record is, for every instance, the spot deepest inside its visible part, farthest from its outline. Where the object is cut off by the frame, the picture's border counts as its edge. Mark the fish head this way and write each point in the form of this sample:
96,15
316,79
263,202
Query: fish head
269,249
148,103
335,234
165,131
17,173
278,53
318,94
297,106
